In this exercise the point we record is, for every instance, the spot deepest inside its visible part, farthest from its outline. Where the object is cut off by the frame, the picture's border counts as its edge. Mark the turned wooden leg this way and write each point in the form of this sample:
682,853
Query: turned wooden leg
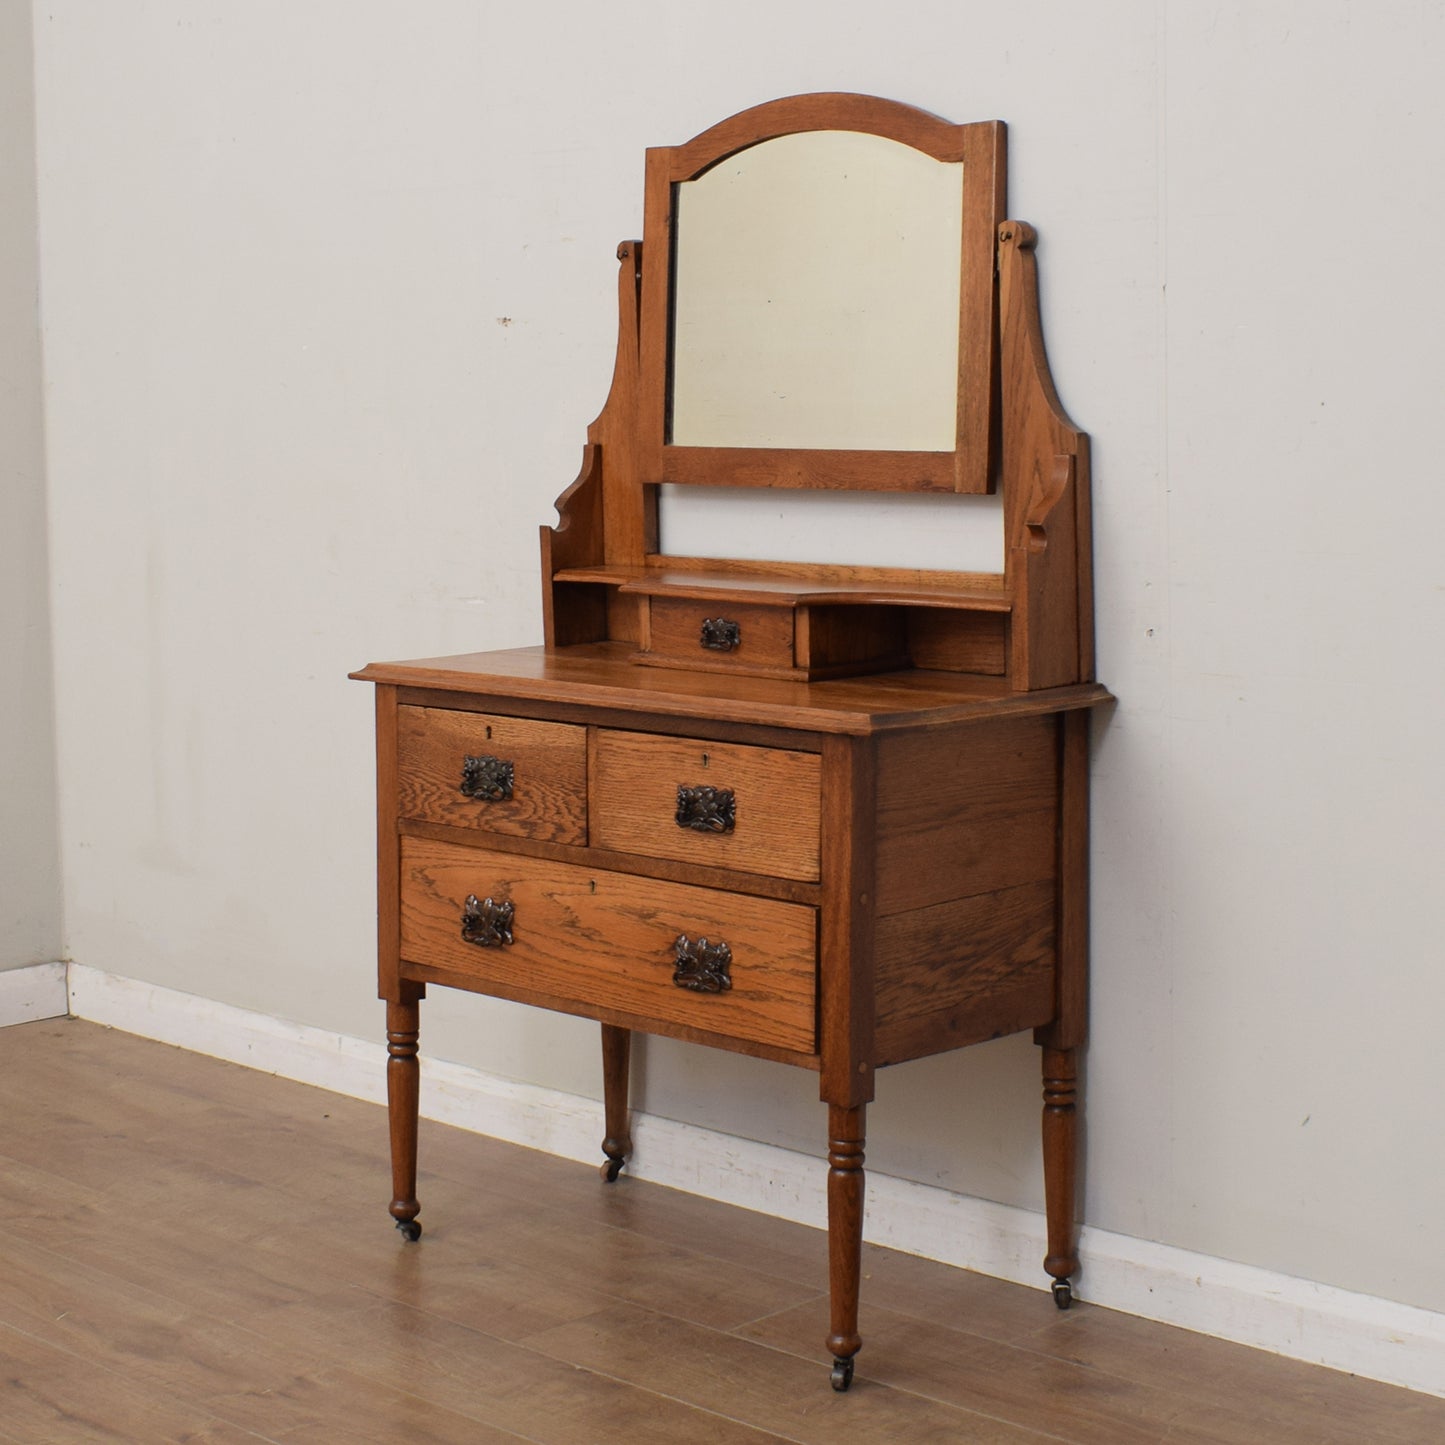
845,1236
1061,1167
403,1077
616,1054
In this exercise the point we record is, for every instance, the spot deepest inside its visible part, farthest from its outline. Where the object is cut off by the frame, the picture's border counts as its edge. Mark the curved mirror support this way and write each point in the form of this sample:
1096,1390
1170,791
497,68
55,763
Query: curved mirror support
816,297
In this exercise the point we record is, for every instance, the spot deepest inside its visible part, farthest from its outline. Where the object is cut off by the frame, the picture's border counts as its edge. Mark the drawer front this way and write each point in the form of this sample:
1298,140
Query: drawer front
612,940
498,774
754,809
720,636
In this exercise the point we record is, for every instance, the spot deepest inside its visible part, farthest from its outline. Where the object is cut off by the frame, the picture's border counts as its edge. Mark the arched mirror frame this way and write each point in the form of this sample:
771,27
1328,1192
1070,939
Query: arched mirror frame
1031,627
969,467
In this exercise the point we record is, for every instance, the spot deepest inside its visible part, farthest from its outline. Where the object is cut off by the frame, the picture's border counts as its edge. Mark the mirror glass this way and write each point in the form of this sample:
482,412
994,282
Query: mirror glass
816,297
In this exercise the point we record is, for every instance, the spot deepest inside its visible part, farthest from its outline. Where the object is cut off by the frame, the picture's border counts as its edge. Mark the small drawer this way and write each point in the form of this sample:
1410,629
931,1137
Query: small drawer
498,774
730,806
719,636
541,931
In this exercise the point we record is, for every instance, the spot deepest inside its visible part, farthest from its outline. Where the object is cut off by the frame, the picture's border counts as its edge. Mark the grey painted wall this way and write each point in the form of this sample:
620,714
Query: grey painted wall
329,300
30,921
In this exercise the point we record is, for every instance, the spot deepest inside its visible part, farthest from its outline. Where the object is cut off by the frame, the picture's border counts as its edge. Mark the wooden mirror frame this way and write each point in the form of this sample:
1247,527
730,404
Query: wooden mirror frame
969,467
1031,627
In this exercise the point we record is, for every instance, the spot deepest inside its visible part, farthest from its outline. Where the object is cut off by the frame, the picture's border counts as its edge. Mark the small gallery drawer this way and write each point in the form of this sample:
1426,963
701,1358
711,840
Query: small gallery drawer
530,928
499,774
723,804
719,636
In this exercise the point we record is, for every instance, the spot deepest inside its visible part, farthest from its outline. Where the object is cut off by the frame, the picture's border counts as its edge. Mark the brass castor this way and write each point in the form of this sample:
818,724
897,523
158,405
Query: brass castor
409,1229
610,1170
1063,1294
842,1373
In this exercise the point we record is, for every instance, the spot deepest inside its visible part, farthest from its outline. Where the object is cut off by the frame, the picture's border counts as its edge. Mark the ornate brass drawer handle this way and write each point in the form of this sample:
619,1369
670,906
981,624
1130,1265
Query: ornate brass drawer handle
708,810
702,966
487,779
486,922
720,635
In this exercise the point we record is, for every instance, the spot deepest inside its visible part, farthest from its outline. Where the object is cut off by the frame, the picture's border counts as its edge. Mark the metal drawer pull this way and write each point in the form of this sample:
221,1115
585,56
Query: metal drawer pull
486,922
702,966
487,779
720,635
708,810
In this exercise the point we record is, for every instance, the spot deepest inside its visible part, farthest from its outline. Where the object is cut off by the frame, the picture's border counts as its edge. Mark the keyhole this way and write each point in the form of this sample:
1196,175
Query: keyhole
489,732
704,760
592,884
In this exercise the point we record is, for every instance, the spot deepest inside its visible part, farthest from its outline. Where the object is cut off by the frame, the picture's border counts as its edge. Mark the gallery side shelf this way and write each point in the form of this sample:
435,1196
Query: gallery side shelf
981,593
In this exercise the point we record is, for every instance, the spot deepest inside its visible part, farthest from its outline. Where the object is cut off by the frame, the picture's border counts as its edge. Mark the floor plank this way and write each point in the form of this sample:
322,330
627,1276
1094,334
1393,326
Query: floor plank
197,1252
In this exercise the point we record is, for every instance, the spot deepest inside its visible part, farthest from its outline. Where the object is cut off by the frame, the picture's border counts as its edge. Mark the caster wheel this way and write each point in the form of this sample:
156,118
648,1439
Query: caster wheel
409,1230
610,1170
1063,1294
842,1373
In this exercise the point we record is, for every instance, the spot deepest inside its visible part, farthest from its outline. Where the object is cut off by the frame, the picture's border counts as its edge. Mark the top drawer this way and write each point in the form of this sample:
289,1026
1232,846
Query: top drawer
498,774
721,804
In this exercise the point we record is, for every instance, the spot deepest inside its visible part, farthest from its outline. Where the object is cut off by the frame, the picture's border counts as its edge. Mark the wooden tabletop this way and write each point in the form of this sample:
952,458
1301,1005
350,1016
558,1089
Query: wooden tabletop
602,674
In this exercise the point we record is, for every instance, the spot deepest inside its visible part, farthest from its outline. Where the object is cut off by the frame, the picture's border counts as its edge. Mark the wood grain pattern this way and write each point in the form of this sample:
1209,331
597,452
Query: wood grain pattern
980,147
389,984
549,790
1071,1007
607,939
1061,1159
964,969
849,639
585,714
798,470
967,811
903,701
1045,487
663,575
955,640
276,1304
765,648
635,778
846,924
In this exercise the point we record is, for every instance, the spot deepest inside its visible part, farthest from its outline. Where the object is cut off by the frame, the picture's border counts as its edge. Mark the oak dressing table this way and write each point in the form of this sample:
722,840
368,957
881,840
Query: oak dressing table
830,815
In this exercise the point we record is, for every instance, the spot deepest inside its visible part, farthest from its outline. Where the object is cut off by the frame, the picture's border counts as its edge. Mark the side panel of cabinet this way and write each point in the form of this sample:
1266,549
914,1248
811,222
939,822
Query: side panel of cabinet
967,884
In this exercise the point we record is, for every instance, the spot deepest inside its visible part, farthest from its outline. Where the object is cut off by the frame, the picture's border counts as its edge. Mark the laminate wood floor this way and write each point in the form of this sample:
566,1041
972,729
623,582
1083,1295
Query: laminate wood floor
193,1251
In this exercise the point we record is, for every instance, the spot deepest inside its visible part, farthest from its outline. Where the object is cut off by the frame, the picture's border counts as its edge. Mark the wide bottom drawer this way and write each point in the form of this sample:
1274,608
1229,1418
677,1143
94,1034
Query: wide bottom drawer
720,962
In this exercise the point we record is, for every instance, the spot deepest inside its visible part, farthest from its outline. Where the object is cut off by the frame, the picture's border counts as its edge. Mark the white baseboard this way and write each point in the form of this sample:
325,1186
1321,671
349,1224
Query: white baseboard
34,992
1377,1338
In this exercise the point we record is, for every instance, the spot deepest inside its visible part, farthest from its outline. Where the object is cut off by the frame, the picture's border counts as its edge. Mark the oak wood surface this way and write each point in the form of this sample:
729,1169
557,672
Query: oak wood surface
980,147
638,1019
802,582
549,765
601,675
634,785
583,712
765,647
968,811
704,875
957,641
1071,1008
962,971
387,874
593,937
275,1303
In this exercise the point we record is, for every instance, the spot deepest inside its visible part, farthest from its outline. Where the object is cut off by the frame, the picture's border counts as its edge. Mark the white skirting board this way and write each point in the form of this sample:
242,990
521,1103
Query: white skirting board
1376,1338
36,991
